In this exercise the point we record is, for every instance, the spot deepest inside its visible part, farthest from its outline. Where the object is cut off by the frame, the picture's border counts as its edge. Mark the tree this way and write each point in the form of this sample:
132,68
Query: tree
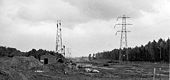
90,57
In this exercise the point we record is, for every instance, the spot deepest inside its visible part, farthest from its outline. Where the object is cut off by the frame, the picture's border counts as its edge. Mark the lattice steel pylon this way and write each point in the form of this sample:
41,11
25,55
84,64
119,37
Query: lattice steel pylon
60,48
123,39
68,52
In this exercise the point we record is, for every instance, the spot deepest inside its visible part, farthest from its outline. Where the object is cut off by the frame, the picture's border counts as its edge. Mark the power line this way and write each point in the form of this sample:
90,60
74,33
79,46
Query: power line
123,31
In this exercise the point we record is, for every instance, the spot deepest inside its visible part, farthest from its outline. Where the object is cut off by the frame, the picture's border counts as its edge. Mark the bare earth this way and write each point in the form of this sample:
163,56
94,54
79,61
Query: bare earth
107,70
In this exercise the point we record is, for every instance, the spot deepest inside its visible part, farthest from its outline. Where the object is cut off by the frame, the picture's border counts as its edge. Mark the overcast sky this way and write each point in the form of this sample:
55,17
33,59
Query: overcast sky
88,25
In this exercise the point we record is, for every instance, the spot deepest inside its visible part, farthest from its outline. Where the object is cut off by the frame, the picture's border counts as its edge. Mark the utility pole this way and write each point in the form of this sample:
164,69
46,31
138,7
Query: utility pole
123,31
60,48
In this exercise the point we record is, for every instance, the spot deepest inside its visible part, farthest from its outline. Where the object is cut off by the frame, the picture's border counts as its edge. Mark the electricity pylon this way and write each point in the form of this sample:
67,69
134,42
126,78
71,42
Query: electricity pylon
68,52
123,39
60,48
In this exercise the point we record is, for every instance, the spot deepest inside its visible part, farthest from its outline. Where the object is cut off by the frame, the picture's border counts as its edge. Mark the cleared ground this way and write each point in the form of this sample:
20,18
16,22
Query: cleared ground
23,68
129,70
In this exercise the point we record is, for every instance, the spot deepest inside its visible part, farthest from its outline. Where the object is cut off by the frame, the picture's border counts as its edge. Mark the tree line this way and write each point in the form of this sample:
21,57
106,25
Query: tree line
11,52
153,51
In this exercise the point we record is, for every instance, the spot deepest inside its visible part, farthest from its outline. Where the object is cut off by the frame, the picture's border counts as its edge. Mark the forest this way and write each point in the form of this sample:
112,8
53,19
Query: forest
155,51
11,52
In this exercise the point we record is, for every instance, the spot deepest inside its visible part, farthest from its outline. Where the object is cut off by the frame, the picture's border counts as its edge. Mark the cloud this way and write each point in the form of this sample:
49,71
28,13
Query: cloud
91,37
108,9
35,11
72,12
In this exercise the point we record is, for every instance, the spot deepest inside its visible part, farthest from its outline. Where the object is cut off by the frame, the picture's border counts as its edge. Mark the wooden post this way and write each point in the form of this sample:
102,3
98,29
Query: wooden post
154,73
159,73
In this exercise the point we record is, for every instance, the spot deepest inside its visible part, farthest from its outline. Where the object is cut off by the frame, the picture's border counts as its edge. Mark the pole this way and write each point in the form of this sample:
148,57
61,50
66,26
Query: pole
154,71
160,54
159,74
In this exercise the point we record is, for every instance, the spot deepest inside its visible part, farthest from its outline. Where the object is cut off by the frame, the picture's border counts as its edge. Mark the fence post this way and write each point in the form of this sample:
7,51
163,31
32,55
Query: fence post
159,73
154,73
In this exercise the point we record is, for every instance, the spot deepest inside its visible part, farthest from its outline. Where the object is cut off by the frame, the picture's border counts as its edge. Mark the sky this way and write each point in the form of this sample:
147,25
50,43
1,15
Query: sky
87,25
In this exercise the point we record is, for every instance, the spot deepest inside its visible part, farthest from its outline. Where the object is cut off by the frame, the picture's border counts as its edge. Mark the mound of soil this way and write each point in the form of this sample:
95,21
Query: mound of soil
25,63
25,68
7,73
13,68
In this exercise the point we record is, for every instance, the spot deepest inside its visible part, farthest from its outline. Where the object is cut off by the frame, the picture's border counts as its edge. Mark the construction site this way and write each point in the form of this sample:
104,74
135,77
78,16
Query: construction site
84,40
54,66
